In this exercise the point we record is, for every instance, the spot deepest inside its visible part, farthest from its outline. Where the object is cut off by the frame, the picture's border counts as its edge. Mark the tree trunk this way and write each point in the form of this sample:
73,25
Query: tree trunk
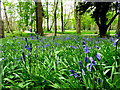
47,16
62,16
103,30
51,25
55,17
77,18
78,24
118,27
39,17
8,24
1,24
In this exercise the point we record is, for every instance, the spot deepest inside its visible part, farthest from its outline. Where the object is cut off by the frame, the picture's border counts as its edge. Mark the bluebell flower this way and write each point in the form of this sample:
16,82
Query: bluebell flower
98,56
97,47
83,43
83,72
111,39
99,80
30,35
25,39
74,47
75,75
29,48
86,59
37,37
96,42
6,35
118,34
92,61
32,38
80,64
44,81
30,30
115,42
67,38
86,50
89,66
47,45
71,71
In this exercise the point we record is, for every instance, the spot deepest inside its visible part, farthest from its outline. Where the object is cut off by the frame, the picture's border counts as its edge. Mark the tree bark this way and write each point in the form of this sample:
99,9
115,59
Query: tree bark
78,24
78,19
8,24
118,27
55,17
51,25
62,27
47,16
1,24
39,20
103,30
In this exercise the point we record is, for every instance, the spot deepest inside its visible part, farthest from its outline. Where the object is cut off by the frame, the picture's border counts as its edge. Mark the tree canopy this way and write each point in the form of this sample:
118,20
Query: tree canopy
99,11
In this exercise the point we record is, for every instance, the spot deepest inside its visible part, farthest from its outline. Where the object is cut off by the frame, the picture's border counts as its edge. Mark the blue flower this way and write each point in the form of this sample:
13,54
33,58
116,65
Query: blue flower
83,72
6,35
32,38
99,80
92,61
89,66
25,39
37,37
71,71
30,35
75,75
29,48
83,43
47,45
115,42
86,50
30,30
86,59
80,64
67,38
74,47
97,47
98,56
118,34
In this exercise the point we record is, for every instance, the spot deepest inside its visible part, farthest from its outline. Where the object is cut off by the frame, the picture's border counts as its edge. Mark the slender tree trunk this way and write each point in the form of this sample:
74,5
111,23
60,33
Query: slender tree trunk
1,25
51,25
118,27
62,16
55,17
39,17
47,16
8,24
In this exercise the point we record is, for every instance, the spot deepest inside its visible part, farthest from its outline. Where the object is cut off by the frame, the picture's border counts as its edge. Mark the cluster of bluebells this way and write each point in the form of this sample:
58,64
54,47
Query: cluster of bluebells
90,62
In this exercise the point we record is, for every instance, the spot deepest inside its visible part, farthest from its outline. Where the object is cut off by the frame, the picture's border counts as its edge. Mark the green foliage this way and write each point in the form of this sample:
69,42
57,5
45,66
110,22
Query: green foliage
47,65
26,11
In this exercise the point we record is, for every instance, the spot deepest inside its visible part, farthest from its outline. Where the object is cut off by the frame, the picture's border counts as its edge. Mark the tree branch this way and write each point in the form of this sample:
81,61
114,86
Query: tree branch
112,19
